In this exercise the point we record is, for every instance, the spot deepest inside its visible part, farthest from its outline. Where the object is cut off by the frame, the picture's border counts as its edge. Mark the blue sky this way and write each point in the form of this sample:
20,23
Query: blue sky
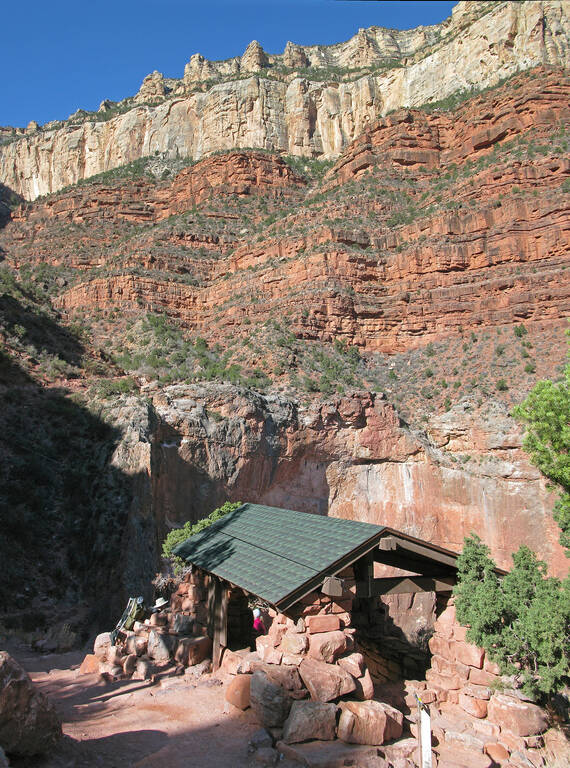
59,55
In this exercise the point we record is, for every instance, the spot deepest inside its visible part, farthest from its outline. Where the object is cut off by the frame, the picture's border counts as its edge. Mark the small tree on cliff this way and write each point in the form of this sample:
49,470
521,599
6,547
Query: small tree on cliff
523,620
546,414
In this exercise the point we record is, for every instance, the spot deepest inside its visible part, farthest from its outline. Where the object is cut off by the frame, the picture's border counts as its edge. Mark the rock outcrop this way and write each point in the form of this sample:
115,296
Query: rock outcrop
29,724
290,112
352,458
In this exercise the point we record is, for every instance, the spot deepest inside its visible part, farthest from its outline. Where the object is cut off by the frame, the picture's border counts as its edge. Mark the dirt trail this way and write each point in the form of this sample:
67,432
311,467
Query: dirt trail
178,722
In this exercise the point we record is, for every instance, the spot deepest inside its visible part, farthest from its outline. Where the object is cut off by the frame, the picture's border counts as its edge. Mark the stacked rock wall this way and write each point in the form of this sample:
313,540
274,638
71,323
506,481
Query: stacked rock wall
176,636
470,717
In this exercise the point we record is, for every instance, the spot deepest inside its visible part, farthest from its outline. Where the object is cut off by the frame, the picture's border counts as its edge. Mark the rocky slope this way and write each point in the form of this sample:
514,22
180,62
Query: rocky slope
307,102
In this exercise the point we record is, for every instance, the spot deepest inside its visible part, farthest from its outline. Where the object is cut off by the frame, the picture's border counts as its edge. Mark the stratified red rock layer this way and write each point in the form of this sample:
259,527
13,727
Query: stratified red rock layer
486,243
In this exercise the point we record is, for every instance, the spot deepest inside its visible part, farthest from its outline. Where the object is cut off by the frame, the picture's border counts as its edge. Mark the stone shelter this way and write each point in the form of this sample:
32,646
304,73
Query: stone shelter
303,566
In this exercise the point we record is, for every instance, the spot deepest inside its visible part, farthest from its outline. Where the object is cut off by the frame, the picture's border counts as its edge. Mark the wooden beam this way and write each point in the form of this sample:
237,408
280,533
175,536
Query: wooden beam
333,586
407,561
422,551
404,585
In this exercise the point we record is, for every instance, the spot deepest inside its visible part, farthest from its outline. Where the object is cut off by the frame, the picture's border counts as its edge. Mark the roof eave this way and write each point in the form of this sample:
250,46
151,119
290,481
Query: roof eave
289,600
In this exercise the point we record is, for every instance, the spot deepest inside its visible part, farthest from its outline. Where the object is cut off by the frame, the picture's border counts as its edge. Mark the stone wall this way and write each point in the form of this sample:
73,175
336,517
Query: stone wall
469,714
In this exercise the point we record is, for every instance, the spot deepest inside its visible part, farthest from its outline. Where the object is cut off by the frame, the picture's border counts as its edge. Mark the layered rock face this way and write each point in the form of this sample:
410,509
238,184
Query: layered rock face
351,458
278,108
458,224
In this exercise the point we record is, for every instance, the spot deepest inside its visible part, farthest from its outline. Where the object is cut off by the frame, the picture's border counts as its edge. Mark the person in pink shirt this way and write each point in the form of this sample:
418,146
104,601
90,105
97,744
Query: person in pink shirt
258,625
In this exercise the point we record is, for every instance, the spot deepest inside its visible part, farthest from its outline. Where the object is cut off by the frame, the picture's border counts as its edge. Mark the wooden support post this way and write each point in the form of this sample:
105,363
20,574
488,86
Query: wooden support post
220,623
364,574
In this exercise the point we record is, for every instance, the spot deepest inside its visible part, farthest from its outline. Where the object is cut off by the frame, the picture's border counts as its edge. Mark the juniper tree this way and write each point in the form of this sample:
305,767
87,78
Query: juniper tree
522,620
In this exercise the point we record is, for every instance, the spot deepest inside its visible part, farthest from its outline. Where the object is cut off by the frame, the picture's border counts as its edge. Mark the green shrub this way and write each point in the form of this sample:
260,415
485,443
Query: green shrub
522,621
502,385
179,535
520,331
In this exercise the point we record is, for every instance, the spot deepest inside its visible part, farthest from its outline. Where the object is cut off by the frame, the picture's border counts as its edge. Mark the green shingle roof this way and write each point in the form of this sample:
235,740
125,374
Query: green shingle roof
278,554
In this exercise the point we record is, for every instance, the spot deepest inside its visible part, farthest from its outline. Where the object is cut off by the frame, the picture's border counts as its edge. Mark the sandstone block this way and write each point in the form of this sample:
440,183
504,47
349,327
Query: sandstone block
511,742
490,667
364,689
520,717
159,646
448,683
310,720
294,643
496,752
469,654
29,724
266,650
353,663
238,691
192,650
286,677
325,682
322,623
480,677
464,739
454,756
129,664
90,665
137,644
460,633
488,729
369,722
327,646
474,707
102,644
276,633
449,668
231,662
477,691
441,646
270,702
445,622
300,625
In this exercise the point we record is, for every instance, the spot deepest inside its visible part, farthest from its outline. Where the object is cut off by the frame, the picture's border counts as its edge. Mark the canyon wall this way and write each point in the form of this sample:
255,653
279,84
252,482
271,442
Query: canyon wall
349,457
291,113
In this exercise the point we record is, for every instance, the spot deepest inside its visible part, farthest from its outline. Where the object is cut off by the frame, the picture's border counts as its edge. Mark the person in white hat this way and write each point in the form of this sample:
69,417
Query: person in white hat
159,605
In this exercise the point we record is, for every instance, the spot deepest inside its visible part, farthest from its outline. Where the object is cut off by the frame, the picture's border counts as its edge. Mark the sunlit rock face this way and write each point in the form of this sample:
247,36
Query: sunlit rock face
277,106
351,457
